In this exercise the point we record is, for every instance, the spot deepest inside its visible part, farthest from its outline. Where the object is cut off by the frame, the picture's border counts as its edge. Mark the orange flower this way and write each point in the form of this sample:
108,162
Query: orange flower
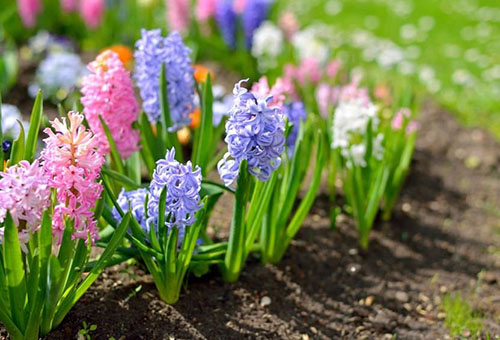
184,135
124,53
195,118
201,72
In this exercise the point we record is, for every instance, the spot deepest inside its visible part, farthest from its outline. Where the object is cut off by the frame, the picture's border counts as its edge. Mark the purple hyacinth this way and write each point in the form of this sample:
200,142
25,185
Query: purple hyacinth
183,185
255,132
226,20
296,113
133,201
254,14
151,51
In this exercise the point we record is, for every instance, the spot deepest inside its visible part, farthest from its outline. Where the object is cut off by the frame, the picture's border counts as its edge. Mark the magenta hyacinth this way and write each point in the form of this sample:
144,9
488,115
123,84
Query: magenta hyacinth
91,12
25,193
72,160
69,5
108,92
178,14
28,10
205,9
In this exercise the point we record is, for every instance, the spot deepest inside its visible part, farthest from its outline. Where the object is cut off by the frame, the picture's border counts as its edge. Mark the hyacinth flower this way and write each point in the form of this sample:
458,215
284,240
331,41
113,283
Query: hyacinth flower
108,94
92,12
255,135
165,77
178,14
253,16
28,11
226,19
401,137
57,76
359,156
167,219
42,271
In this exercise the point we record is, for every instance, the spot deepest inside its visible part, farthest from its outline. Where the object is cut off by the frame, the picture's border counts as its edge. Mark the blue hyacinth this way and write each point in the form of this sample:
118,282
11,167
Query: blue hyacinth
225,17
253,16
183,185
133,201
255,132
153,50
296,113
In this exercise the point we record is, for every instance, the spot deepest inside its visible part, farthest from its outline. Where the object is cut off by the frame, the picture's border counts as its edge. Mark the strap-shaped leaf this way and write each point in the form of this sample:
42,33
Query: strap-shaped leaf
35,121
128,183
15,275
115,156
204,140
18,147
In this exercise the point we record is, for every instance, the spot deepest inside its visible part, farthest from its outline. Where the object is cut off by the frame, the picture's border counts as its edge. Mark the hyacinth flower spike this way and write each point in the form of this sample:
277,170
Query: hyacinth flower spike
47,227
166,221
255,135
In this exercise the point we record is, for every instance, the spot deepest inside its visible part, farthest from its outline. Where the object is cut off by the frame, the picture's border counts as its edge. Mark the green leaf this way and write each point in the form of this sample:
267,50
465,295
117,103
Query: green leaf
204,140
71,299
115,156
151,150
35,121
18,147
235,251
15,275
170,138
121,178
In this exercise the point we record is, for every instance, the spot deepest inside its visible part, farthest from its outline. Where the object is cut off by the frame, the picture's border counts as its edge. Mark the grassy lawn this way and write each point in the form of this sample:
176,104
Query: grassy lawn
450,48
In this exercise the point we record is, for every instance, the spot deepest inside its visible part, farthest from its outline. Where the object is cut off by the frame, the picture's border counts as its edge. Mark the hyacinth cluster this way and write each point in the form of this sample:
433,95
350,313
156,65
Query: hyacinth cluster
255,131
72,161
44,42
178,14
183,184
108,92
153,50
350,124
10,117
253,16
25,193
267,45
226,21
57,75
90,10
402,116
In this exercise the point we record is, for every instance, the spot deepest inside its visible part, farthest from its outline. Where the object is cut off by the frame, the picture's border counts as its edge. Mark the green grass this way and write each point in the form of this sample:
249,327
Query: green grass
452,37
460,317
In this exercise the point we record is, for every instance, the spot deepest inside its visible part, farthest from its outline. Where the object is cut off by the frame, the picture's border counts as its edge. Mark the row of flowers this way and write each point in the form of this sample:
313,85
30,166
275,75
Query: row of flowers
121,178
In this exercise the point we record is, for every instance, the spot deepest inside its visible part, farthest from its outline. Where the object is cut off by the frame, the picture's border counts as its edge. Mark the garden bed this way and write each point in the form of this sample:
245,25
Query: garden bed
444,232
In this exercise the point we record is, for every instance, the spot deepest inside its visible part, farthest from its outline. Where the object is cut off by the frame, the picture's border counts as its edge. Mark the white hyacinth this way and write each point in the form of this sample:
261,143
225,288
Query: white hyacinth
309,44
351,120
267,45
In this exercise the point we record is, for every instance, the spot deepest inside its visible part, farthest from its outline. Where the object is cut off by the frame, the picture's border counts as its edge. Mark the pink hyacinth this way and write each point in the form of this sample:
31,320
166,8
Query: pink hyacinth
280,89
205,9
91,12
324,98
309,71
69,5
399,120
178,14
352,91
333,68
24,192
108,92
28,10
289,25
239,6
72,160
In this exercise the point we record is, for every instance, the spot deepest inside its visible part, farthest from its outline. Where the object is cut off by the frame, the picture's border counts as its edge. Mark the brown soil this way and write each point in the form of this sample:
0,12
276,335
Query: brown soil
443,238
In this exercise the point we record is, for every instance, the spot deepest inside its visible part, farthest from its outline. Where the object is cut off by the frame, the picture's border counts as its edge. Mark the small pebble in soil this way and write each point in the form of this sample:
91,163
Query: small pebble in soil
369,300
353,251
353,268
406,207
402,296
265,301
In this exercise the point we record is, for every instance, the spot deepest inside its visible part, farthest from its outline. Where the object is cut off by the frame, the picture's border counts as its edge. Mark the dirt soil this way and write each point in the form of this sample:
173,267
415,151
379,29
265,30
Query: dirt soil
444,237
